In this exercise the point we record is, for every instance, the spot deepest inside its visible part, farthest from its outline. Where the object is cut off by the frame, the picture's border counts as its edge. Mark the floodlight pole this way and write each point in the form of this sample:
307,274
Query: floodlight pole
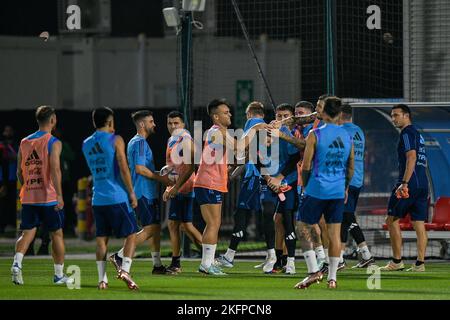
186,50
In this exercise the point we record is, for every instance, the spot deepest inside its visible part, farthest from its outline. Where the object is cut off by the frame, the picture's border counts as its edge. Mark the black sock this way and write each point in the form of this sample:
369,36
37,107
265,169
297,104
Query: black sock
175,261
284,259
419,263
397,260
279,254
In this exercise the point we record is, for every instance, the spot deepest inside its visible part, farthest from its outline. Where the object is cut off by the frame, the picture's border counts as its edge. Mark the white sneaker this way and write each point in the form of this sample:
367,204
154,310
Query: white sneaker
268,266
63,280
290,268
222,261
16,274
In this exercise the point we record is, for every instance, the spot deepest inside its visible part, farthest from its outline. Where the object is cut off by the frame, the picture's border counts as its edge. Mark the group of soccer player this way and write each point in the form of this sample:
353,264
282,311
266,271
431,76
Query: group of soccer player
304,179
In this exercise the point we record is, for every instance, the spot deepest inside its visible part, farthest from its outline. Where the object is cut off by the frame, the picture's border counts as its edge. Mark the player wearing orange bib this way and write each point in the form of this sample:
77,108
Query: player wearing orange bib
211,181
180,148
38,170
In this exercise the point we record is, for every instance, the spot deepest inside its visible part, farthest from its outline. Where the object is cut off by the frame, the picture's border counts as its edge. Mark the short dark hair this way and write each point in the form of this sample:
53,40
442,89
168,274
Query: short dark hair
100,116
404,108
175,114
141,114
346,111
285,107
44,113
305,104
324,96
332,106
211,108
255,108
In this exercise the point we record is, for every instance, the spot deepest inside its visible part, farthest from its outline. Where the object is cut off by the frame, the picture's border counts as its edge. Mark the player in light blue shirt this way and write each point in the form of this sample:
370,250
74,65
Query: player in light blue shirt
144,178
349,223
112,189
327,171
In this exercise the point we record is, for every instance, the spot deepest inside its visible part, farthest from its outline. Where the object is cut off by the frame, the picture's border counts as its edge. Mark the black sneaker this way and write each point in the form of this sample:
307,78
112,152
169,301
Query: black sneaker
116,261
173,269
364,263
341,265
324,269
160,270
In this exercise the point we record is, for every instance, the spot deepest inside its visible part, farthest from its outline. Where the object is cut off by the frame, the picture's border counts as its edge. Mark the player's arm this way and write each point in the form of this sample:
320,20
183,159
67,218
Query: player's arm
411,159
189,169
308,158
350,167
149,174
298,143
124,170
55,172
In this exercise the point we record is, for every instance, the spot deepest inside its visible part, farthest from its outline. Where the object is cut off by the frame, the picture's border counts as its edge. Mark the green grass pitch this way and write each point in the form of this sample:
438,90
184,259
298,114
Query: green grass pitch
243,282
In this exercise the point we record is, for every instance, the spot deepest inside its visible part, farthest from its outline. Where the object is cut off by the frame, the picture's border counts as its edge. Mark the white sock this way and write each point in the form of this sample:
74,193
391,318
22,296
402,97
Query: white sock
229,255
18,257
126,264
320,253
120,253
208,253
156,256
341,258
365,253
290,260
59,270
101,268
311,261
271,253
332,268
327,260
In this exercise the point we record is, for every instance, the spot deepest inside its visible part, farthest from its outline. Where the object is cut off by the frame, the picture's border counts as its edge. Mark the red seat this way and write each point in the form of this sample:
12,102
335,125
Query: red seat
404,223
441,216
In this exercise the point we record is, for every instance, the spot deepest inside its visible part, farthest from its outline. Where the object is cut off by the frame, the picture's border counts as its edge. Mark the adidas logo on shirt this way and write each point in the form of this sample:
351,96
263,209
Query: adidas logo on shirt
357,137
96,149
337,144
33,159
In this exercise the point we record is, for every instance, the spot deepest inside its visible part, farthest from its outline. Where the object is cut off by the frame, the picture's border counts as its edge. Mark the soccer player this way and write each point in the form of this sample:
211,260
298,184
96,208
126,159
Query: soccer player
144,178
181,195
327,172
301,131
349,223
410,195
113,193
211,181
249,198
284,212
39,172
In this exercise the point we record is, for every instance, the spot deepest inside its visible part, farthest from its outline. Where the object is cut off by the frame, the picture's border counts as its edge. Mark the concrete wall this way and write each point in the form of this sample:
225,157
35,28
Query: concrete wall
81,73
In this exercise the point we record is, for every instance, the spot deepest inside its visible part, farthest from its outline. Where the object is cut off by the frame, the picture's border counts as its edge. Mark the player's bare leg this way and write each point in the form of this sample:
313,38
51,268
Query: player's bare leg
101,251
22,245
308,236
334,251
192,233
212,214
422,240
128,252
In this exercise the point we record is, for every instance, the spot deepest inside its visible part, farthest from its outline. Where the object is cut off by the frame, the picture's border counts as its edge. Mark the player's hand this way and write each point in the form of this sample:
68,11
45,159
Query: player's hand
170,193
166,181
60,204
133,200
402,191
274,183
